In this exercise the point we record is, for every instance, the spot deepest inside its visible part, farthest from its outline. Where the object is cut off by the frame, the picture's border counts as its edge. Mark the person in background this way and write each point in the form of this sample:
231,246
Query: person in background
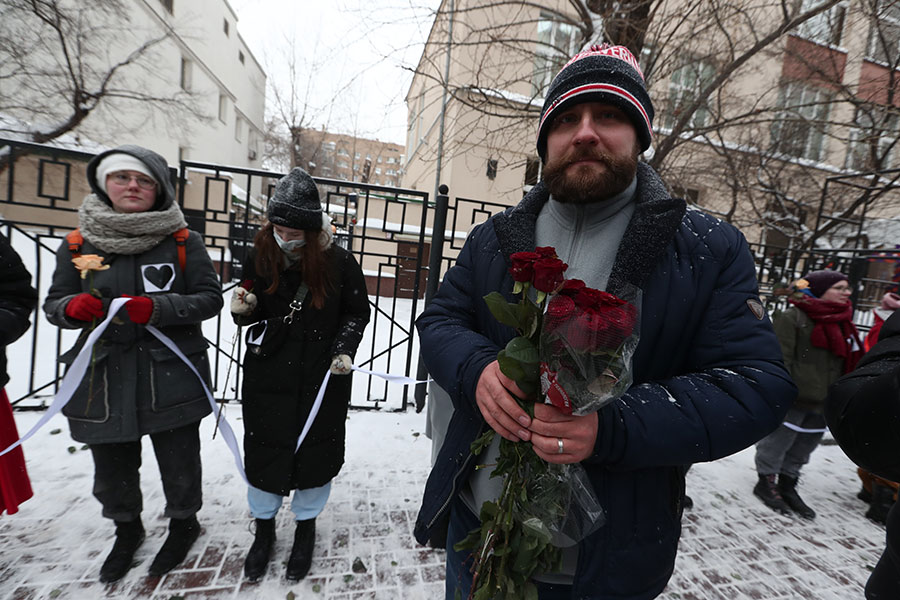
889,303
863,412
17,299
309,300
135,385
819,343
708,375
878,492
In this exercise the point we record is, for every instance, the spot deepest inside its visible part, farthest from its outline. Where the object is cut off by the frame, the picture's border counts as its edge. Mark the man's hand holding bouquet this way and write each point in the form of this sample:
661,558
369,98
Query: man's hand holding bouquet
572,350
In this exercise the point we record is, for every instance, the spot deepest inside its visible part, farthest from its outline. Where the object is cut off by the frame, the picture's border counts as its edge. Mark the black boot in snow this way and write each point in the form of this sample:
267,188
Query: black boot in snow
787,485
767,491
261,550
302,550
182,535
129,535
882,501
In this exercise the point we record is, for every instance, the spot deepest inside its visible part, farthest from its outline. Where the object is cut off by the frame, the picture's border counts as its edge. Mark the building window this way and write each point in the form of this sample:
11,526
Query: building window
684,88
167,4
690,195
238,128
241,56
185,76
225,26
223,107
799,127
884,34
825,27
874,140
532,172
555,46
343,152
416,117
491,168
378,170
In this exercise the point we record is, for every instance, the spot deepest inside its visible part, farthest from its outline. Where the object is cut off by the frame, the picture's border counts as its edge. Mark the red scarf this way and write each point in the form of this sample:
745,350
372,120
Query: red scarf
834,329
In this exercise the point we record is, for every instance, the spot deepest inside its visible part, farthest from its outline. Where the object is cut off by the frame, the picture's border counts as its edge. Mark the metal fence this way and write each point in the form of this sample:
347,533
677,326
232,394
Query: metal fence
41,188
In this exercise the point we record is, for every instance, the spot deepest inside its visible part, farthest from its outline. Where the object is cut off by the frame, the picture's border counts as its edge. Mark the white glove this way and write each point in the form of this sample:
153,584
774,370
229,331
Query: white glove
242,301
340,364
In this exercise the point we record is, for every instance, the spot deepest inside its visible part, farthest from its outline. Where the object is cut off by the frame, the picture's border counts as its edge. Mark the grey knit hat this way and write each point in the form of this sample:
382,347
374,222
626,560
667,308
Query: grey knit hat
295,202
608,74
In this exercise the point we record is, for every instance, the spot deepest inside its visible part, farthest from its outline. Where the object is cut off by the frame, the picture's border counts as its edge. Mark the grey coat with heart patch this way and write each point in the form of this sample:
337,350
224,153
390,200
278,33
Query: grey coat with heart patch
138,386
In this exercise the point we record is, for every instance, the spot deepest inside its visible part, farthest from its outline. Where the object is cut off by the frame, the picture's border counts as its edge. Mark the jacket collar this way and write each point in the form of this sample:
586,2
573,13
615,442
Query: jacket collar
656,219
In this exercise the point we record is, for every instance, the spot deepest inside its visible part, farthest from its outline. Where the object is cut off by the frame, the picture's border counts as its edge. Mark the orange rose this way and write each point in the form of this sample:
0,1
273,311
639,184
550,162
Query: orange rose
89,262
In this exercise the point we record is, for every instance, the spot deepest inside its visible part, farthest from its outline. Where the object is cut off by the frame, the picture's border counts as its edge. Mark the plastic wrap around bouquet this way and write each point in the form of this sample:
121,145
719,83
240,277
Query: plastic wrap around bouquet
573,349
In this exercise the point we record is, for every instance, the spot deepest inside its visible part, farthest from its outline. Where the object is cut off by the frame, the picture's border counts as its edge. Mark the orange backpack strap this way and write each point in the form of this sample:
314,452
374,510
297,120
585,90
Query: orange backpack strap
181,236
75,241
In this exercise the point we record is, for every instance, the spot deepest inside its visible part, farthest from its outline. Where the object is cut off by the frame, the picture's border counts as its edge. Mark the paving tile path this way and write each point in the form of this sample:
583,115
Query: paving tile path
732,546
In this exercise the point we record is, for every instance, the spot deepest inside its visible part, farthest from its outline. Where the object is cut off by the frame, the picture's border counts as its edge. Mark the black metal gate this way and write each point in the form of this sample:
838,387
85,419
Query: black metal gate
41,188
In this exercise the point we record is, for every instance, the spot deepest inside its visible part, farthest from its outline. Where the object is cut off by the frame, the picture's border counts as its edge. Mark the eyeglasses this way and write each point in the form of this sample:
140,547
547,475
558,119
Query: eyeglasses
124,179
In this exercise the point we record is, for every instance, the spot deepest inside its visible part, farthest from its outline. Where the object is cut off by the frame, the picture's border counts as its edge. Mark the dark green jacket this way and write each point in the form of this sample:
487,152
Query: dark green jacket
812,368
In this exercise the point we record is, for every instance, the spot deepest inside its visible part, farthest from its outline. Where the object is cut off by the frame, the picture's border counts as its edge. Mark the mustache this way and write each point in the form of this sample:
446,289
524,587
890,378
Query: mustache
587,154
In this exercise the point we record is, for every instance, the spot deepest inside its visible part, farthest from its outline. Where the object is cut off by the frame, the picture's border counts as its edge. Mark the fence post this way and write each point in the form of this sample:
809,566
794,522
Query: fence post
435,258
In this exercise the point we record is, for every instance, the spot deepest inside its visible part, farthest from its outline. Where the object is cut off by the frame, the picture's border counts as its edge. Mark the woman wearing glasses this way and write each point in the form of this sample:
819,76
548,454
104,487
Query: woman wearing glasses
136,386
819,343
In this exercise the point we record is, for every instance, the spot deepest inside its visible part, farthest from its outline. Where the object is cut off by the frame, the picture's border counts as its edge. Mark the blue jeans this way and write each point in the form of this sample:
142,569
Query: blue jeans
459,562
305,504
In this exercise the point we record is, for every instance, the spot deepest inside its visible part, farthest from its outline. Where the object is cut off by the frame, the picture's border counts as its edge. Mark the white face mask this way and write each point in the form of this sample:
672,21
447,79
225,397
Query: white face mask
290,247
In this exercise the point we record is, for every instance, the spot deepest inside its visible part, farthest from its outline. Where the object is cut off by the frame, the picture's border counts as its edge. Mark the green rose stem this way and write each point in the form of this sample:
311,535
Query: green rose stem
87,409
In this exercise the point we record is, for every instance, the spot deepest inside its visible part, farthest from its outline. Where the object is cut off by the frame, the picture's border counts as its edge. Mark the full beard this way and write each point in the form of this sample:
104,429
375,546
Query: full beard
586,184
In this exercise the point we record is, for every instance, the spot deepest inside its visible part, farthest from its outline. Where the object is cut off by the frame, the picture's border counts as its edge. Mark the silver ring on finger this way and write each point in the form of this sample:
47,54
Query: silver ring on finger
559,445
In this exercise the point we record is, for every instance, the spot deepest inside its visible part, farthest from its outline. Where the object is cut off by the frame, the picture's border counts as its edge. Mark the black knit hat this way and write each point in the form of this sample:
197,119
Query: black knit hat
295,202
820,281
608,74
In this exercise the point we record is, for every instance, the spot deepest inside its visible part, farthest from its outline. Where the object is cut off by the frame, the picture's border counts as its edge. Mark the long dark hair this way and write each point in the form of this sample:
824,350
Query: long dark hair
312,265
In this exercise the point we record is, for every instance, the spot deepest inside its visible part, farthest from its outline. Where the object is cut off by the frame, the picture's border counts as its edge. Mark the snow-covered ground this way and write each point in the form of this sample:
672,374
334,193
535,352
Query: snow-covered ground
732,547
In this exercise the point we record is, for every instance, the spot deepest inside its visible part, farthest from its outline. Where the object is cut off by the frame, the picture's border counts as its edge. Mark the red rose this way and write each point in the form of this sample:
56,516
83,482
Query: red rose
546,251
522,268
621,320
559,310
548,274
570,287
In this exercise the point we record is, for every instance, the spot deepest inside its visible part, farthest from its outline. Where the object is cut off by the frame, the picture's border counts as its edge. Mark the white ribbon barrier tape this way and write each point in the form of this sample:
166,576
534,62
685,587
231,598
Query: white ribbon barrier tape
801,429
318,401
79,366
392,378
227,432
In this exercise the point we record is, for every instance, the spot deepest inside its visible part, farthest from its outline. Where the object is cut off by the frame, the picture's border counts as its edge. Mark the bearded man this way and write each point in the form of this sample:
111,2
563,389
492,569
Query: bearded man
708,373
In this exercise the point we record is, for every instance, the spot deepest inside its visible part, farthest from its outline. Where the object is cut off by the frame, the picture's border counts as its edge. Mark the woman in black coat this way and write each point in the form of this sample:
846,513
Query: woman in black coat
863,413
307,301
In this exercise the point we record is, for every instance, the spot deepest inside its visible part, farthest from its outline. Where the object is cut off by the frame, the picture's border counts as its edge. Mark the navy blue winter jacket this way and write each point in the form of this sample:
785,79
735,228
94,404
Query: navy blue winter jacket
708,377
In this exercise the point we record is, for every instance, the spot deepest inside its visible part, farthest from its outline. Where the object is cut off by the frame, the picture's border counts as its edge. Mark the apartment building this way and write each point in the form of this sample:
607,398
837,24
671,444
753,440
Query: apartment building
201,92
763,128
350,158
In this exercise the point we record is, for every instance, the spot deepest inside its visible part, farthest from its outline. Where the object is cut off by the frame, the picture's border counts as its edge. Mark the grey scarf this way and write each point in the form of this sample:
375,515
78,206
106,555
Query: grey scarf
126,233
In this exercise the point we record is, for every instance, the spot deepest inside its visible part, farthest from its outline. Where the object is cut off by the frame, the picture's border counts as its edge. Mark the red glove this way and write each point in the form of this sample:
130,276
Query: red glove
139,308
84,307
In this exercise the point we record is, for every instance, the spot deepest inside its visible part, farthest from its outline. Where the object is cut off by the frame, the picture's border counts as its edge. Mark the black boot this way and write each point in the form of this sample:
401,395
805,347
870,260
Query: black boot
261,550
302,550
767,491
129,535
787,485
182,535
882,501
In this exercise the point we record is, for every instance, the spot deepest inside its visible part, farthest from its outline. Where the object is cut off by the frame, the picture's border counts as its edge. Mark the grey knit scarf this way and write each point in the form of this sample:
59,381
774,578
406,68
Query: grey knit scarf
126,233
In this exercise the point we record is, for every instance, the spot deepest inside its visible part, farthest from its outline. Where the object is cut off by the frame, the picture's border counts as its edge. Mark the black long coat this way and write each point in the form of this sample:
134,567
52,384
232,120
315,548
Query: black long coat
278,392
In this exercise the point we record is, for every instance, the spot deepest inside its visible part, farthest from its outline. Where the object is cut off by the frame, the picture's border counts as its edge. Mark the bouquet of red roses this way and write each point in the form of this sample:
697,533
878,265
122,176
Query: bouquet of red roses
573,349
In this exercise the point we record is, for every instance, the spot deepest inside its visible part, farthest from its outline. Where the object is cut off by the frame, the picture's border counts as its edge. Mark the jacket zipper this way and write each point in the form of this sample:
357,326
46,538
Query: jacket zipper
452,490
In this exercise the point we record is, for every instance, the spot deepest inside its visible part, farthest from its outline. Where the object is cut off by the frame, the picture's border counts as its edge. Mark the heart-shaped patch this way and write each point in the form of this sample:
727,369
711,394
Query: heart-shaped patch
158,278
